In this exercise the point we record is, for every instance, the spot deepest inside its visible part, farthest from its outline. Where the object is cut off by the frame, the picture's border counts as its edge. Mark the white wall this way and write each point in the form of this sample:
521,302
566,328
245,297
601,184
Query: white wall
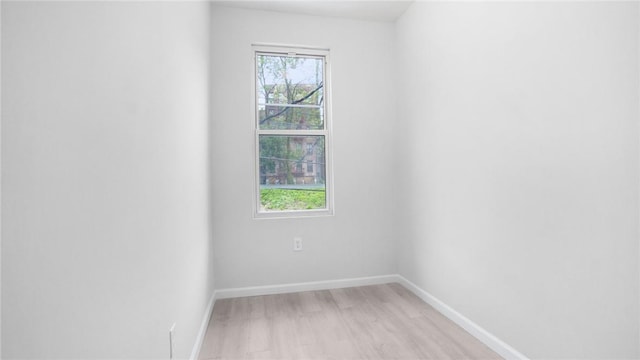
0,186
359,239
521,151
105,238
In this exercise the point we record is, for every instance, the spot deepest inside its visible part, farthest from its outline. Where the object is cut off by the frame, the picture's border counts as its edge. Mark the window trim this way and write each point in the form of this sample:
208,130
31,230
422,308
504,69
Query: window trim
326,132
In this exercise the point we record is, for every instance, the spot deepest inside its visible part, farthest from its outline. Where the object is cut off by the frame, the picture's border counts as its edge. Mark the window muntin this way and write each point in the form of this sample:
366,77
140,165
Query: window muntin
292,133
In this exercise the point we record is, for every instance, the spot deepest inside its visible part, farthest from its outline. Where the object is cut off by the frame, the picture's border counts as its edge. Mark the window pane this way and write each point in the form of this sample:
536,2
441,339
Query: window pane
290,80
284,183
284,117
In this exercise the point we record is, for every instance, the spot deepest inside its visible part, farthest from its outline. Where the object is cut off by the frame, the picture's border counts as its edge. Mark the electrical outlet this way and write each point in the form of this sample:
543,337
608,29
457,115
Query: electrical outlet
297,244
172,338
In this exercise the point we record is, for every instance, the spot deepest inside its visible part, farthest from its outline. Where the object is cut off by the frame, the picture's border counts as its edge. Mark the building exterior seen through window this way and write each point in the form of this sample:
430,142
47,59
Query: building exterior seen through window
292,133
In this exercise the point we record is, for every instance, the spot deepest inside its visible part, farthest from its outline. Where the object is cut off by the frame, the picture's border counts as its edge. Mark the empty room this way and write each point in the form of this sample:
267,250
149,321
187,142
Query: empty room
320,180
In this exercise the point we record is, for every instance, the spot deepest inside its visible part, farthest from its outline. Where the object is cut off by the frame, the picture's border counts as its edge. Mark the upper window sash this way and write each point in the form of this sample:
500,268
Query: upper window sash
290,90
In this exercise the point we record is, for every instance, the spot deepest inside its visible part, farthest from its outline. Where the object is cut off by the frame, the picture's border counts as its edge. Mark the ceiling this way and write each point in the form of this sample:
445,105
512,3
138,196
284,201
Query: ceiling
388,10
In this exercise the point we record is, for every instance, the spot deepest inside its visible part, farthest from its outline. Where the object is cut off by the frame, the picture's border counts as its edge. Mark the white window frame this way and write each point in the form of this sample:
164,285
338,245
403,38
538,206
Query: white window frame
302,51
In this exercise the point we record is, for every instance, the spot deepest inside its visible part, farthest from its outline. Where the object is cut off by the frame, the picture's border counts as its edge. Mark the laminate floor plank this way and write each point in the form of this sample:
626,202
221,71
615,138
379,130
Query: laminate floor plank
273,305
426,344
221,310
342,298
257,307
466,341
370,322
259,335
309,302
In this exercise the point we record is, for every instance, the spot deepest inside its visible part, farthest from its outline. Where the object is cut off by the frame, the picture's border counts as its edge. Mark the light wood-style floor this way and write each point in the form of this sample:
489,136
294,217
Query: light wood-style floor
369,322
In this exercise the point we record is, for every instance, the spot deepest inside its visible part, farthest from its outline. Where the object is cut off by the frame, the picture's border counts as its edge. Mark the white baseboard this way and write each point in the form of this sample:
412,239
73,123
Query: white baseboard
307,286
195,352
495,344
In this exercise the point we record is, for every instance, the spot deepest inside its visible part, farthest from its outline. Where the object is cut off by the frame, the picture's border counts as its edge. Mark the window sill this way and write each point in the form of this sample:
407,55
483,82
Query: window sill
297,214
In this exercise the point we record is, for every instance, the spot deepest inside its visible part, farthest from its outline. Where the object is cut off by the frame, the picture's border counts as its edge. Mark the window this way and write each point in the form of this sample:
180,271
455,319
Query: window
292,129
